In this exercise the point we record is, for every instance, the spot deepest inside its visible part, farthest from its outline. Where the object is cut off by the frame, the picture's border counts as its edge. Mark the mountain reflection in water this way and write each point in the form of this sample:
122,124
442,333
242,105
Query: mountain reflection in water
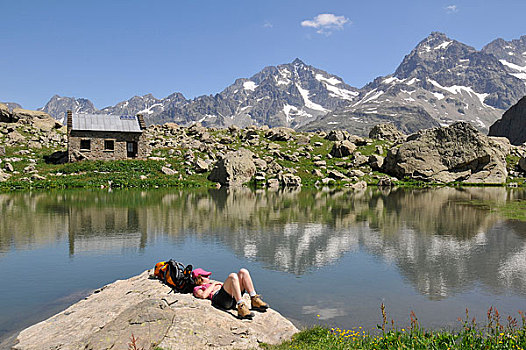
440,242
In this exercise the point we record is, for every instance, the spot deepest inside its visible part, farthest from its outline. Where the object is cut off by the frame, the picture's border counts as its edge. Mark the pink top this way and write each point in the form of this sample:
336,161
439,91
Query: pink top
203,287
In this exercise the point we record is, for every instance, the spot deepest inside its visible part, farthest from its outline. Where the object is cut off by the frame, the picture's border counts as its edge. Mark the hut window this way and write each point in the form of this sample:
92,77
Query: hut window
109,145
85,145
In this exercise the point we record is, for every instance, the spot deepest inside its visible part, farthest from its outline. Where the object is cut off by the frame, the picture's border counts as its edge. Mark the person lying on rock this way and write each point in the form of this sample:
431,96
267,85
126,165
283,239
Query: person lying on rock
228,295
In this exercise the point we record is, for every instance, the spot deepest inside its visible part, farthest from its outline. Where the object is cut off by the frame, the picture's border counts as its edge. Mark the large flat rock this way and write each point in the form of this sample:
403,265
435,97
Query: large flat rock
153,314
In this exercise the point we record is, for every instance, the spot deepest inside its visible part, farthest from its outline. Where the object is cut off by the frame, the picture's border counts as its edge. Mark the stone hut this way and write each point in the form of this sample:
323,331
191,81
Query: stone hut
106,137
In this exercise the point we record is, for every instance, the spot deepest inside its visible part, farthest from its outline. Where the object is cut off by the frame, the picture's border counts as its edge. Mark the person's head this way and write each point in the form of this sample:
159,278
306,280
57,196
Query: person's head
201,276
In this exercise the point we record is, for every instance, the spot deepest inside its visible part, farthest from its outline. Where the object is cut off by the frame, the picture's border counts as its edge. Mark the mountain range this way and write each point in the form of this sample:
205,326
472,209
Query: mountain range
439,82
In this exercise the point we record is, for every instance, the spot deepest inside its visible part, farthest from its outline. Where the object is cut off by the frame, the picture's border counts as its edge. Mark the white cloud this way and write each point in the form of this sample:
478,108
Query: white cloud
451,9
268,24
326,23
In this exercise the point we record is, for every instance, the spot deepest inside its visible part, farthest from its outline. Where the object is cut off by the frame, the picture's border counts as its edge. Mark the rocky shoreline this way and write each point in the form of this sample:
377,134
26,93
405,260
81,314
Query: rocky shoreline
146,309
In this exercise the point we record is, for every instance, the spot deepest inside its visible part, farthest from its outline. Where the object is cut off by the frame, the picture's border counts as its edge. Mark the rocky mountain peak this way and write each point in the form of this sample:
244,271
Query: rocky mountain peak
11,105
435,53
510,53
298,62
58,105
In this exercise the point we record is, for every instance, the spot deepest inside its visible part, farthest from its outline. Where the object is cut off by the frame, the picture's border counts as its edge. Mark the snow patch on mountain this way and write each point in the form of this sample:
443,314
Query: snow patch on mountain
330,81
149,109
249,85
370,96
520,70
308,103
513,66
284,77
438,95
291,112
442,46
342,93
457,89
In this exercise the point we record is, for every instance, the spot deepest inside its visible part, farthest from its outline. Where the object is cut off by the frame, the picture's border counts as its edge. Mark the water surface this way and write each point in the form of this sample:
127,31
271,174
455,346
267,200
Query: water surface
317,256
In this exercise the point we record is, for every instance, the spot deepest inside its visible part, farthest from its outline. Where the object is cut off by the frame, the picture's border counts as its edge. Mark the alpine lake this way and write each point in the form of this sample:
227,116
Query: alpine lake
328,257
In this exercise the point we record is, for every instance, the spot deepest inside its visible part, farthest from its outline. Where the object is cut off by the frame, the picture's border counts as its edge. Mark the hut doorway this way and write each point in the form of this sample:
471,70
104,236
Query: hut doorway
131,148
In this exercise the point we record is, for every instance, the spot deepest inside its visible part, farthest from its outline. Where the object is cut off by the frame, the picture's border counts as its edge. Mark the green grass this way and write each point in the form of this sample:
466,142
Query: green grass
495,334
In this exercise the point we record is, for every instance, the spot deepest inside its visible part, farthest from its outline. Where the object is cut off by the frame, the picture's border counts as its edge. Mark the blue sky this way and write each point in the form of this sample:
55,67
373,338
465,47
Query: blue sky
108,51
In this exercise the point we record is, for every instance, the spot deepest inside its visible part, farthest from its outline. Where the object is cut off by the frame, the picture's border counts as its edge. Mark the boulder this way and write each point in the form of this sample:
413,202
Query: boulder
5,115
355,173
337,135
385,181
455,153
15,137
522,164
359,186
46,124
289,180
336,175
376,162
34,145
156,317
303,140
2,151
195,130
274,167
171,126
280,134
359,159
4,176
58,157
9,167
260,164
342,149
234,169
357,140
200,166
387,132
317,173
168,171
512,125
29,115
251,135
226,140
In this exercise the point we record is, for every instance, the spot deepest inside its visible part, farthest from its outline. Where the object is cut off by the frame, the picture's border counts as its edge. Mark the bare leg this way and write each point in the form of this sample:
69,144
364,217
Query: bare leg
245,281
232,286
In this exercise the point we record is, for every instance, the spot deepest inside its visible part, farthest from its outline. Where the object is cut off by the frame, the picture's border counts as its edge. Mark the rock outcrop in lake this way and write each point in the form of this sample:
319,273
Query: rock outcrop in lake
512,125
448,154
146,309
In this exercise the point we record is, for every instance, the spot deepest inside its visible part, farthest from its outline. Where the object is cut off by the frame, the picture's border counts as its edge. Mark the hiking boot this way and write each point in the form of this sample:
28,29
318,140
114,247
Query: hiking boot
243,311
258,304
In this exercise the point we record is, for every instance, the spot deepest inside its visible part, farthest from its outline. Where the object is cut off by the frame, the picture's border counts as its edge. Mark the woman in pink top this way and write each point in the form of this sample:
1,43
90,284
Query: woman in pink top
228,294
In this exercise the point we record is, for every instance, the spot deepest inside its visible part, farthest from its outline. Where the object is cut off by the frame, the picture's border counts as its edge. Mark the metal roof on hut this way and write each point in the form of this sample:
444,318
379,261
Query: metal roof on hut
106,122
